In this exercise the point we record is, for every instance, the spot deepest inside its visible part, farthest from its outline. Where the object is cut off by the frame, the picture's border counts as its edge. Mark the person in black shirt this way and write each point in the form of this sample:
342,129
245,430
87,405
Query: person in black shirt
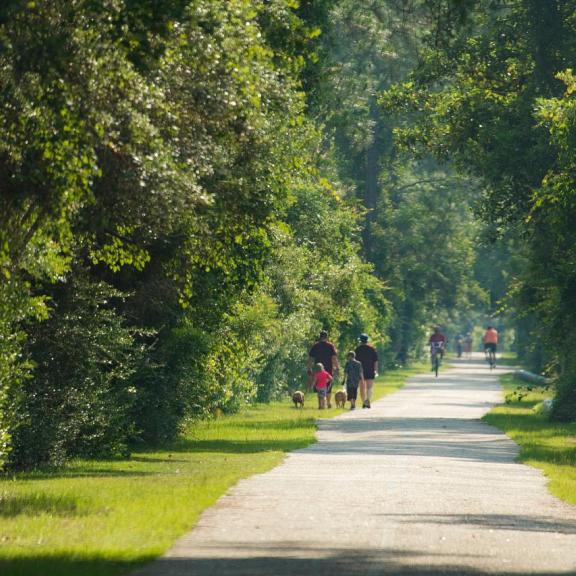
353,377
368,357
324,352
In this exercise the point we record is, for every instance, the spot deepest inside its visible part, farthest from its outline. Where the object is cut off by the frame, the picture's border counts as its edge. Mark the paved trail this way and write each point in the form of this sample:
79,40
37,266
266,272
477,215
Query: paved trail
417,486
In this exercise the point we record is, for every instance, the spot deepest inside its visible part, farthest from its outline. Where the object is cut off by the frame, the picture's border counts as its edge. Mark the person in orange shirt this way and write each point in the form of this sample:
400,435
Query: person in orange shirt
490,340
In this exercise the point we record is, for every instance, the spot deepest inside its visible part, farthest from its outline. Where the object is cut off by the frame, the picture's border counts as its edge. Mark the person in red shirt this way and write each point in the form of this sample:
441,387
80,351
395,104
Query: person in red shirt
437,343
324,352
322,383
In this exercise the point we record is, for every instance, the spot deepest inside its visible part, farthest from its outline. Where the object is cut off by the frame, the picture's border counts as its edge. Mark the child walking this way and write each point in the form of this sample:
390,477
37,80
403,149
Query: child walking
322,381
353,377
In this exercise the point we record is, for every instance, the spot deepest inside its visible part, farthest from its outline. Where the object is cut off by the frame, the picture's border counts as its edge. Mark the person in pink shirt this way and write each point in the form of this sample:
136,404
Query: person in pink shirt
322,381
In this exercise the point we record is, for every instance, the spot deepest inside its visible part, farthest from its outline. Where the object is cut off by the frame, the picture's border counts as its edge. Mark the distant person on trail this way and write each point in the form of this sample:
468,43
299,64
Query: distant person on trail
459,345
490,340
324,352
368,357
353,376
322,383
468,346
437,343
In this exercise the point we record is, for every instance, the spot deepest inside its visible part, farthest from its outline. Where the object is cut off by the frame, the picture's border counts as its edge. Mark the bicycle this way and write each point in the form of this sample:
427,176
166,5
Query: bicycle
491,357
436,357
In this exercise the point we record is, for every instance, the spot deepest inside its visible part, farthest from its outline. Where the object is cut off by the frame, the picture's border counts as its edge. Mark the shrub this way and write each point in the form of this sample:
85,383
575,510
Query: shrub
16,305
78,402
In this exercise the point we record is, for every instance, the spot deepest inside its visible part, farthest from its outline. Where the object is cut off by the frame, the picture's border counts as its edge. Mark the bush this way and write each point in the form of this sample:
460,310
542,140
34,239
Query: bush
78,402
16,305
195,373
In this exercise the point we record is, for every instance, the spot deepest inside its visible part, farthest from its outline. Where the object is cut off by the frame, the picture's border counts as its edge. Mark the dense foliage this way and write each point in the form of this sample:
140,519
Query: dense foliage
418,228
191,189
169,244
494,94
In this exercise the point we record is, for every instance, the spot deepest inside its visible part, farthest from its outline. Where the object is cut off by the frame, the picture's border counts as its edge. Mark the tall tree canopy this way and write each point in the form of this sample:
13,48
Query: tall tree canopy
191,189
494,93
156,251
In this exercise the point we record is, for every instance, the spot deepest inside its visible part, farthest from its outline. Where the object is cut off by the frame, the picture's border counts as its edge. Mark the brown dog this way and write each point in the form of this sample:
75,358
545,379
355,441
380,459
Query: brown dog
298,399
340,398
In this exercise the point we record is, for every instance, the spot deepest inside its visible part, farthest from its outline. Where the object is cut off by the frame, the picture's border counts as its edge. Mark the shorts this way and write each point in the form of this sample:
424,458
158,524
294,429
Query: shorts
369,375
490,346
352,392
322,392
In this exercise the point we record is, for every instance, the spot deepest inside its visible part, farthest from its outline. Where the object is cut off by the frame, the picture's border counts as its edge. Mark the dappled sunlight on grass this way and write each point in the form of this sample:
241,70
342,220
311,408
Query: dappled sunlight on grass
106,517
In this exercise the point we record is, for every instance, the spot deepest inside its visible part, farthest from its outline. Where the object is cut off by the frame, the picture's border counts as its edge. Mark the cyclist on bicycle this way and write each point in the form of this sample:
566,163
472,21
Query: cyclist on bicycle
490,341
437,343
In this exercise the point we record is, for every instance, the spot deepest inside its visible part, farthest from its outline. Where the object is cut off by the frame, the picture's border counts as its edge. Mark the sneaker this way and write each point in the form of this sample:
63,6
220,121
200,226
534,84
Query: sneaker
367,404
364,404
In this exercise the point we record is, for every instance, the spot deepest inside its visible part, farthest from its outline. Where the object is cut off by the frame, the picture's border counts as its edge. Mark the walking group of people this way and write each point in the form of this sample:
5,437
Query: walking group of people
360,370
463,345
361,366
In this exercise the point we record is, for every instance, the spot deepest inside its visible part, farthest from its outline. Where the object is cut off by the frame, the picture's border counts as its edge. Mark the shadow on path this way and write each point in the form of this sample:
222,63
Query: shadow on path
418,451
265,561
433,437
522,523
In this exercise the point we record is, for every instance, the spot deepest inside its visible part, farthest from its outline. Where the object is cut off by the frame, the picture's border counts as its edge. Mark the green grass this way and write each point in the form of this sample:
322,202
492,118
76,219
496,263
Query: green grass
101,518
506,359
550,446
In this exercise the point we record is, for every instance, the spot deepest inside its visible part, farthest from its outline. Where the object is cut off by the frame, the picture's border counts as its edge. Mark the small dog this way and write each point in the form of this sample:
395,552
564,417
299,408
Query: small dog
298,399
340,398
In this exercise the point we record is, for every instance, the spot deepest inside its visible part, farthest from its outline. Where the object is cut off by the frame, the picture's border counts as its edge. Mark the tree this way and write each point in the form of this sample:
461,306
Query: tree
157,152
490,97
367,47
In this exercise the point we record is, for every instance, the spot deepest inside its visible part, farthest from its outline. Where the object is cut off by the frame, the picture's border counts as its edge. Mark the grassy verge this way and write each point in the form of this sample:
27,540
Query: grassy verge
550,446
101,518
506,359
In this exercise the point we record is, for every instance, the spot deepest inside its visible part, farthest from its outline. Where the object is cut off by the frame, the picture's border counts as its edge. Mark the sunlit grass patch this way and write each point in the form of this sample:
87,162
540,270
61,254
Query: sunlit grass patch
102,518
506,359
550,446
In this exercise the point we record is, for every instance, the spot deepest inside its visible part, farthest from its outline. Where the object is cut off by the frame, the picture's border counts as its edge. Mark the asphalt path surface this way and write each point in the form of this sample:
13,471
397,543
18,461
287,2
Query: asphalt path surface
417,485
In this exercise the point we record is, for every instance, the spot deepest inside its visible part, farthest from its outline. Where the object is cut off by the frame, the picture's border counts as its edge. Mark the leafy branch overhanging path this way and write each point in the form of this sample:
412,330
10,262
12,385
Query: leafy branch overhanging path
418,485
